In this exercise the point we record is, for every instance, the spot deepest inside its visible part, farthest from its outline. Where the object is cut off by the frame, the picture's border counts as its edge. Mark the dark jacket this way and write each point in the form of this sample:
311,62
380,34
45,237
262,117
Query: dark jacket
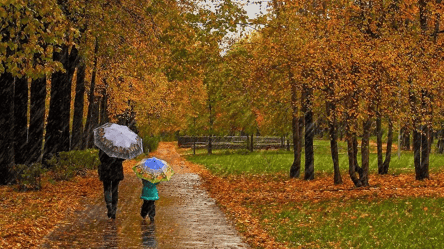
110,168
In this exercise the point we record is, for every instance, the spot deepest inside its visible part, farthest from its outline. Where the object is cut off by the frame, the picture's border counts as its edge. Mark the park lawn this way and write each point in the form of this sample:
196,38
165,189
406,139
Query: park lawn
387,223
273,211
226,162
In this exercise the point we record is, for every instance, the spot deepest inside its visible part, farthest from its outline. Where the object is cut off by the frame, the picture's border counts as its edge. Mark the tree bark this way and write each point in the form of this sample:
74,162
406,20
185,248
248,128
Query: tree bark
89,126
388,153
332,127
295,169
55,127
365,153
379,143
352,160
425,138
21,121
210,142
422,148
6,126
77,124
440,143
37,119
355,154
104,106
248,142
405,141
309,135
57,130
417,153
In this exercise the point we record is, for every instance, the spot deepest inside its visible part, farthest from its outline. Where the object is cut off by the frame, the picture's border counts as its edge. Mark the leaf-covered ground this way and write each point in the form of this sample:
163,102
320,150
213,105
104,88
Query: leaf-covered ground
26,217
248,198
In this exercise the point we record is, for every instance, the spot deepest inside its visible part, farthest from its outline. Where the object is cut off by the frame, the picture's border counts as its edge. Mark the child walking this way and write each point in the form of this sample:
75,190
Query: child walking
149,196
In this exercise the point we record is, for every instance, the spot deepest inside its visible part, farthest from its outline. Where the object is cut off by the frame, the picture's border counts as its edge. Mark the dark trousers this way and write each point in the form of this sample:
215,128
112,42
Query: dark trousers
148,208
111,192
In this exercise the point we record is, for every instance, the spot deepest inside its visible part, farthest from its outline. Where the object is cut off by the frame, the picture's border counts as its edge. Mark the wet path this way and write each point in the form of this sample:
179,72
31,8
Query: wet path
186,217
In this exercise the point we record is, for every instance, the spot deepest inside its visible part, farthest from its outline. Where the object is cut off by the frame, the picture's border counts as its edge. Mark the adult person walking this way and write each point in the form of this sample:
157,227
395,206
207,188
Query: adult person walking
116,143
110,173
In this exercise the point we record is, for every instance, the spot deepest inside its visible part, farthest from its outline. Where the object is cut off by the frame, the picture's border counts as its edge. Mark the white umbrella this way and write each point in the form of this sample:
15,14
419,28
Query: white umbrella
118,141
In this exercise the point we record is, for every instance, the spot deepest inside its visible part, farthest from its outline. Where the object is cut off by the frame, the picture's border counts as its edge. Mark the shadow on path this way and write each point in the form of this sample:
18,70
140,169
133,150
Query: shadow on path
186,217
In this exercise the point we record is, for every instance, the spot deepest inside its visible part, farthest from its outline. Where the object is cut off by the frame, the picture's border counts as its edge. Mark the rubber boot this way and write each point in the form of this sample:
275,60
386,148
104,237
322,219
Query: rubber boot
109,206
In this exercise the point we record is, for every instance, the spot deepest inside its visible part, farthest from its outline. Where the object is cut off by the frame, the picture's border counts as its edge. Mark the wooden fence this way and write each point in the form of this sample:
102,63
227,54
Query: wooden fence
233,142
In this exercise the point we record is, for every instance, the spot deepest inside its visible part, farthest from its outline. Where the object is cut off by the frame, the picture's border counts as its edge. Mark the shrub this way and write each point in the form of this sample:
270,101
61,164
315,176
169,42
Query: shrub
28,177
150,143
71,163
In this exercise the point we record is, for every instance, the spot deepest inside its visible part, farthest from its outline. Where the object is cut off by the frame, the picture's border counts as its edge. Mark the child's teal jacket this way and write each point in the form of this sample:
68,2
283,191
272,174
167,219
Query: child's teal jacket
149,191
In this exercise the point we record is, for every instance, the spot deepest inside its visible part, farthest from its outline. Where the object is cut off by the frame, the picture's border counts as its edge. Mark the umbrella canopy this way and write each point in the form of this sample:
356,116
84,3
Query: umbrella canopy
154,170
118,141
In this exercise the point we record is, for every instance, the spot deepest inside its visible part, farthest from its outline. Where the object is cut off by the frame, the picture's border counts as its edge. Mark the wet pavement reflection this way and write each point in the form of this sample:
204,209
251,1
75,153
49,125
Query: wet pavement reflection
148,234
186,217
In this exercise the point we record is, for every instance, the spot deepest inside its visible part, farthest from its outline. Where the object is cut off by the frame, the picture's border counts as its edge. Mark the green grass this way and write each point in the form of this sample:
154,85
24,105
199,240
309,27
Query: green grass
224,162
392,223
354,223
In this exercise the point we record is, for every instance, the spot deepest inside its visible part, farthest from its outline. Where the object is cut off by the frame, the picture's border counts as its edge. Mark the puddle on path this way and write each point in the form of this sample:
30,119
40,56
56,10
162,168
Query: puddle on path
186,217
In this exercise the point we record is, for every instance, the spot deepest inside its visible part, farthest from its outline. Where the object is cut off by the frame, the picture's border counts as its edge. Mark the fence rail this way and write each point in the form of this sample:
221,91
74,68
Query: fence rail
233,142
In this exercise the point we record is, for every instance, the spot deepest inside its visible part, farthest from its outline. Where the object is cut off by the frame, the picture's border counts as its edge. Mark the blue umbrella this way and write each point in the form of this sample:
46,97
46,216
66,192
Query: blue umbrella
153,170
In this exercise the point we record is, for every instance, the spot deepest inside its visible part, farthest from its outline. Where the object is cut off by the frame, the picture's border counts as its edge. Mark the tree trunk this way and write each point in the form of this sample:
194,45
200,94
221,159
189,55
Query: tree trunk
425,138
37,119
332,124
57,129
70,69
77,124
89,126
388,153
405,141
352,150
248,142
365,153
352,160
95,115
379,143
21,155
251,143
417,152
309,136
295,169
440,143
341,131
210,142
355,154
194,136
6,126
104,107
424,135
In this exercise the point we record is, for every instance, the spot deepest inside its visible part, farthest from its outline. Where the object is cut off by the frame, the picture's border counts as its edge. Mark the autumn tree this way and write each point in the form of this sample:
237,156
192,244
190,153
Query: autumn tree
28,32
